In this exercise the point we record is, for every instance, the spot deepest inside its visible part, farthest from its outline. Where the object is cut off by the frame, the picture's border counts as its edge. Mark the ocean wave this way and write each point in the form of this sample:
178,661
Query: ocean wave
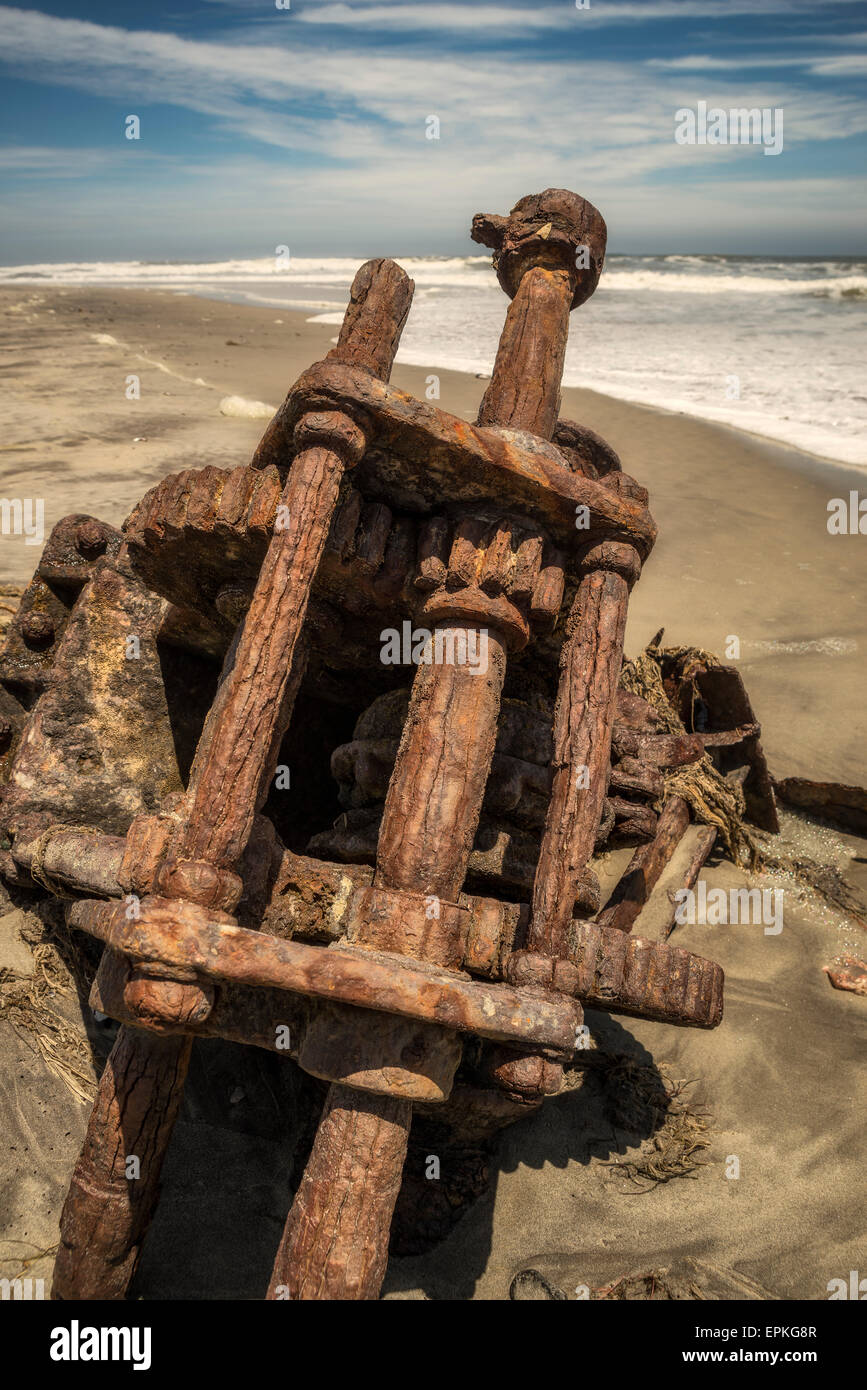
673,282
454,271
689,274
769,346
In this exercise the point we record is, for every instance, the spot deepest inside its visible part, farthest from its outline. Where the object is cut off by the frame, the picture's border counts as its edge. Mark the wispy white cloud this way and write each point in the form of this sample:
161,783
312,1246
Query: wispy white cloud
376,109
846,65
40,161
418,16
440,17
832,65
361,163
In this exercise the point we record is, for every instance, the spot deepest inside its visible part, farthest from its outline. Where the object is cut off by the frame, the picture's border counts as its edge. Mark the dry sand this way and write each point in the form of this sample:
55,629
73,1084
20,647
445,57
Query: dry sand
743,551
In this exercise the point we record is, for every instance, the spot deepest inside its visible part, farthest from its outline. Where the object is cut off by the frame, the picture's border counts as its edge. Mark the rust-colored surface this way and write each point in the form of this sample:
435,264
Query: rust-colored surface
850,974
449,898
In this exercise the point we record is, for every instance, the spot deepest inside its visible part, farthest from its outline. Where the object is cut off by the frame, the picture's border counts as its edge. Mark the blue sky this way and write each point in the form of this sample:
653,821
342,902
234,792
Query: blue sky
263,126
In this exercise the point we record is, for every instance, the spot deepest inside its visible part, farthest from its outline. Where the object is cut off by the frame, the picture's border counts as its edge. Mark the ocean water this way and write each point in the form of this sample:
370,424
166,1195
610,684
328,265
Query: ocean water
777,347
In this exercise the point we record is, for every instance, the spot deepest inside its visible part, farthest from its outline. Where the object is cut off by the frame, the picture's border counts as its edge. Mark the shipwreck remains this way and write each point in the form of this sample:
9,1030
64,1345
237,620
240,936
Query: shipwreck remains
285,841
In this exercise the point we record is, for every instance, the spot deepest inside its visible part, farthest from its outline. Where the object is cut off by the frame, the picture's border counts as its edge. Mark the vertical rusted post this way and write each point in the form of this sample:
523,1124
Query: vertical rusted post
435,794
234,763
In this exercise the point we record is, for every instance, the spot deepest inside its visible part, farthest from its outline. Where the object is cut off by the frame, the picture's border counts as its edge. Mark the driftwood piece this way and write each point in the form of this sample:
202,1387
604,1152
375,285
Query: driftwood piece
635,887
845,806
656,750
705,841
634,822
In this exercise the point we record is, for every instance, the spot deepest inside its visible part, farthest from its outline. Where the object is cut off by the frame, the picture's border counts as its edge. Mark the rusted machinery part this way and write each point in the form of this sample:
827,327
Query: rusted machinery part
109,1205
207,943
199,539
423,459
549,230
435,794
484,537
238,749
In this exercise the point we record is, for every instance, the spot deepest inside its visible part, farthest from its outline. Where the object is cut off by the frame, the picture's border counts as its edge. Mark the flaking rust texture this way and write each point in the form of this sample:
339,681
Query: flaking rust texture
415,905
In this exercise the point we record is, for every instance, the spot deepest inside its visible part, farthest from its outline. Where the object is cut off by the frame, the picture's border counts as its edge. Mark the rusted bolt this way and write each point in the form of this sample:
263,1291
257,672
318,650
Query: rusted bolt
90,539
37,628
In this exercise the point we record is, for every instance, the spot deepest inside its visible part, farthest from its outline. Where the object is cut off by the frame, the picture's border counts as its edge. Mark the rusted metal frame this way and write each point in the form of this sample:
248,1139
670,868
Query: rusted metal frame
435,793
89,862
442,459
228,781
212,947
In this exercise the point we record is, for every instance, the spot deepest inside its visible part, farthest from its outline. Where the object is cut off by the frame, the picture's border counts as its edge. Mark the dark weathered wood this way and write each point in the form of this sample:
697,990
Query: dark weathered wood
845,805
656,750
106,1214
634,821
705,841
635,887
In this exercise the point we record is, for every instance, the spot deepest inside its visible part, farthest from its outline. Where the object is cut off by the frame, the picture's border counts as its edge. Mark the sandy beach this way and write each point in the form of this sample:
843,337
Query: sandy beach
743,552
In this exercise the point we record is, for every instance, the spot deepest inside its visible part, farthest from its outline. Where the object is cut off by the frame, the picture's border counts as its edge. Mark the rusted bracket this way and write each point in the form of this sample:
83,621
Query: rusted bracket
479,530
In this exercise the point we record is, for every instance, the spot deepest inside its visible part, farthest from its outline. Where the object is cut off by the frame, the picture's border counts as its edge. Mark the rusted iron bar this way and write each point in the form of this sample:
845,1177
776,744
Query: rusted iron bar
110,1202
209,945
238,748
435,794
583,721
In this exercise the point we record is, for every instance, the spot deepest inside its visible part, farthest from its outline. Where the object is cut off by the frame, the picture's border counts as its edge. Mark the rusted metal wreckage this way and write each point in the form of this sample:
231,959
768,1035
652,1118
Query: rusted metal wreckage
155,679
